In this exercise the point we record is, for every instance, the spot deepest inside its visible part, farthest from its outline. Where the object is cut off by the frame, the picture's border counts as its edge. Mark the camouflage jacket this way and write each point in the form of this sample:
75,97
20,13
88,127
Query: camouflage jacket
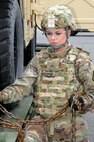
55,77
84,72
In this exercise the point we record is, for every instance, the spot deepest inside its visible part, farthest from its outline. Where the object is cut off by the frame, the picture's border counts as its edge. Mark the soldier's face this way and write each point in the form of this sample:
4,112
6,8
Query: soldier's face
56,36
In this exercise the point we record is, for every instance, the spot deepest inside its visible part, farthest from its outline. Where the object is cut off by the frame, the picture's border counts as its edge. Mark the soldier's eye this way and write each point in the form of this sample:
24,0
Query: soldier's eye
58,33
48,34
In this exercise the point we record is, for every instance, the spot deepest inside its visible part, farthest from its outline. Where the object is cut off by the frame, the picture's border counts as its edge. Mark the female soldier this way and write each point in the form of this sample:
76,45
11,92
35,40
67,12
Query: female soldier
60,73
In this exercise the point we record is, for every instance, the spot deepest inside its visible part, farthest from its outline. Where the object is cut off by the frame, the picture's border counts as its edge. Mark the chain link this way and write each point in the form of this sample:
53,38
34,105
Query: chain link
73,122
16,126
37,122
19,121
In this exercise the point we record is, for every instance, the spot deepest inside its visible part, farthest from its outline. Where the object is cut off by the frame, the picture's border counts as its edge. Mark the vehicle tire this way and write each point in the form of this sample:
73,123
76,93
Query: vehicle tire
11,42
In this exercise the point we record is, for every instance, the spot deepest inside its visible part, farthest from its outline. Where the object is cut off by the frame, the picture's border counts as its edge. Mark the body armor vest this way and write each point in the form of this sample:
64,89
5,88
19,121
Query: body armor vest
57,81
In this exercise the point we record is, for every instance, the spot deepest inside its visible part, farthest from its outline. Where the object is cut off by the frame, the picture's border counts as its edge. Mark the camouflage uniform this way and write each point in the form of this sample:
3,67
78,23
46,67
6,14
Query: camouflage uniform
55,77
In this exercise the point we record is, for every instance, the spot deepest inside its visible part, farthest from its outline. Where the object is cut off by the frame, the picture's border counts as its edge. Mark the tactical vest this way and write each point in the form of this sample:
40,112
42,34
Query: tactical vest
57,81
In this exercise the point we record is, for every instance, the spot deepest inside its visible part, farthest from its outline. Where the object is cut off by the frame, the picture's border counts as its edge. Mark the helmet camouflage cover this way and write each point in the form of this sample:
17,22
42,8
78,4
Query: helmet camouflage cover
58,16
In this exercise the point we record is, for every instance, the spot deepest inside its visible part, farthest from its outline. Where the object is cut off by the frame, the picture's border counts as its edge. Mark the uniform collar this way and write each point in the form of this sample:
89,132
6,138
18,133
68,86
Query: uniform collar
59,54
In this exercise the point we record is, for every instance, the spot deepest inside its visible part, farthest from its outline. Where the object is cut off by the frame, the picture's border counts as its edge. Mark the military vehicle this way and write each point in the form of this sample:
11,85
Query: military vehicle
19,20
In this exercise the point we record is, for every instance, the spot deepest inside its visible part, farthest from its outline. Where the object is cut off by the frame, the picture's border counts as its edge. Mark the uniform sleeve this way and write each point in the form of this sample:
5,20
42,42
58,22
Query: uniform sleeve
85,73
23,86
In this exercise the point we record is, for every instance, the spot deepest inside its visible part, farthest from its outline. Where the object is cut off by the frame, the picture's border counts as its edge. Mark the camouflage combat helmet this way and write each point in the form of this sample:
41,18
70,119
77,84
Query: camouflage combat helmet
58,16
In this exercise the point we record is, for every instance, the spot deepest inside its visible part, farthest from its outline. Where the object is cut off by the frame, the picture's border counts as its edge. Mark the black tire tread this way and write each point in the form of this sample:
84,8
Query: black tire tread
8,9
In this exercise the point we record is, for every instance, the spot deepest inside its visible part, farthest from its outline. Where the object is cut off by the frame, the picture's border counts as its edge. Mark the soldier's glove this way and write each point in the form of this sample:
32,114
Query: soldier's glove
3,97
76,102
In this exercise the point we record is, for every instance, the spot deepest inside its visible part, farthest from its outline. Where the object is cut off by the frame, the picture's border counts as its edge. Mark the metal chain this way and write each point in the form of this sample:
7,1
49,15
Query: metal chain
18,127
73,122
37,122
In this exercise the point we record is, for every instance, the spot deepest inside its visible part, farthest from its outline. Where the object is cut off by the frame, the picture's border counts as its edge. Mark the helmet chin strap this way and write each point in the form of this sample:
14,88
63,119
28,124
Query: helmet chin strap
59,46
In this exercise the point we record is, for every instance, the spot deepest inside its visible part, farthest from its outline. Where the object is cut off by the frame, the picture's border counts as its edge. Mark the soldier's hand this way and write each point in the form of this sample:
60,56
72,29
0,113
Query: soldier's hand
3,96
0,97
76,102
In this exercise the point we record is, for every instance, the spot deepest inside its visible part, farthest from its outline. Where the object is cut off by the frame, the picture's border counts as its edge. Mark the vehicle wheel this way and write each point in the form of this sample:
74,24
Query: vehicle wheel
11,42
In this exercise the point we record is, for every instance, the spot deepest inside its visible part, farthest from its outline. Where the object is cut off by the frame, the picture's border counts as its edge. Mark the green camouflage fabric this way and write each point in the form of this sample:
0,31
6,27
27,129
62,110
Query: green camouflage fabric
58,16
55,78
